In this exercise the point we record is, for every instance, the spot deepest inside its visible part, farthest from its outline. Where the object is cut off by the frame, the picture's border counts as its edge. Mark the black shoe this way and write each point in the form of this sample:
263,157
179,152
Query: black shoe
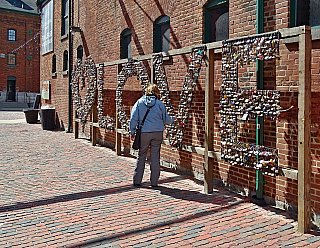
136,185
154,186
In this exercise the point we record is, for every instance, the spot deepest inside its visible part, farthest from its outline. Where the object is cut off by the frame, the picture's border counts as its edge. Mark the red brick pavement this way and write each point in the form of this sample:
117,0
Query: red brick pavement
60,192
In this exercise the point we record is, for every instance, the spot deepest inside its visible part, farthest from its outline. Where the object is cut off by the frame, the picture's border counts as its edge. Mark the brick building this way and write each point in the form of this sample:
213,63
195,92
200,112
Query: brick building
114,30
20,51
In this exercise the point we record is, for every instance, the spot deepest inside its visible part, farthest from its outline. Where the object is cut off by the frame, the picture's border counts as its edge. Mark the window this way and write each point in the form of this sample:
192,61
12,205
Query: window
304,12
80,52
12,35
54,64
47,28
12,59
161,34
64,17
65,60
126,44
216,20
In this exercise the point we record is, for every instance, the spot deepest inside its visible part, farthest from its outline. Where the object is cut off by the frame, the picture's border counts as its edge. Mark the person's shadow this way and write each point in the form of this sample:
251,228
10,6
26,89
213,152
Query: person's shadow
217,197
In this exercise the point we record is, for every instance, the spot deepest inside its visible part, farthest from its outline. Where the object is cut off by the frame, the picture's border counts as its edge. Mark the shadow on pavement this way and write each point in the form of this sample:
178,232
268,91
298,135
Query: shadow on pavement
195,196
77,196
115,237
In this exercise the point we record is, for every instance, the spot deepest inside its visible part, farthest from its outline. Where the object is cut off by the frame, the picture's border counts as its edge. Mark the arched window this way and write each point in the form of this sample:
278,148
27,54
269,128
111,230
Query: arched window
304,12
54,64
12,35
161,34
216,20
126,51
80,52
65,60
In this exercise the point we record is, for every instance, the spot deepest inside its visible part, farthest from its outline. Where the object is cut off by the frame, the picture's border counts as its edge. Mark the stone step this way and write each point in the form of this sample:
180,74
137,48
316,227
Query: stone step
13,105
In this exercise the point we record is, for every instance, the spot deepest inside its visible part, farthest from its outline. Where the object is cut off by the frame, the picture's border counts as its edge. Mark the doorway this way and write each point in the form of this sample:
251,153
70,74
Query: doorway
11,89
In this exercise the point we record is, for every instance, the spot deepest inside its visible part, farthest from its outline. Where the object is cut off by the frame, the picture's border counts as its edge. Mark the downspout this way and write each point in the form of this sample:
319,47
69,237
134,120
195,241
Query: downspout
69,67
259,120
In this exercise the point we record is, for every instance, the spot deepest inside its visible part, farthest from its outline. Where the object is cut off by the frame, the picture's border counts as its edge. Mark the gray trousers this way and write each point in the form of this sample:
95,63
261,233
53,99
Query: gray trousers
154,140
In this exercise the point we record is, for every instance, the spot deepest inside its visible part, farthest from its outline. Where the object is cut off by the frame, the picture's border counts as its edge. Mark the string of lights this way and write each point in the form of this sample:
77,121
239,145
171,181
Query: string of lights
34,38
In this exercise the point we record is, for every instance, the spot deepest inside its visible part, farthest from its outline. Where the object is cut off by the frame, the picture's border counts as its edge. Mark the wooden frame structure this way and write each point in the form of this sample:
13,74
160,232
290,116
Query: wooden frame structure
302,35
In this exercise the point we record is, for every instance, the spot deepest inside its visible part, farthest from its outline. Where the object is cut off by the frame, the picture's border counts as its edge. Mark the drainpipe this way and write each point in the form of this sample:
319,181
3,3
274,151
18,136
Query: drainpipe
69,66
259,120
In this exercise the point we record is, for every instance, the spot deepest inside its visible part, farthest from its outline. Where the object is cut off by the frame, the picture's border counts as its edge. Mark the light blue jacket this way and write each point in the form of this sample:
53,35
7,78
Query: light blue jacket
156,118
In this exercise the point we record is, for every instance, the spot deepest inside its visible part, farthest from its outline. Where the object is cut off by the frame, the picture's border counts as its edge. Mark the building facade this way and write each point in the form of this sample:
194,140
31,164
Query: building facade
19,51
112,30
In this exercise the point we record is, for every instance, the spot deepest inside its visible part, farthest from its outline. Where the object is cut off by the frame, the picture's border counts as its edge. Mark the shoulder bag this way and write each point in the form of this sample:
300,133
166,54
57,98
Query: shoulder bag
137,139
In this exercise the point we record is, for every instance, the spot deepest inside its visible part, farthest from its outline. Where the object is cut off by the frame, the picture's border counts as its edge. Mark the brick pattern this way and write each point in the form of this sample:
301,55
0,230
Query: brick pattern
71,194
26,71
102,24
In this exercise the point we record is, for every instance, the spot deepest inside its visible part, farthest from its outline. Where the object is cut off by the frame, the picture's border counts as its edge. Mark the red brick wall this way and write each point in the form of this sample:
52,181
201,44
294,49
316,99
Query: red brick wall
102,23
59,82
26,71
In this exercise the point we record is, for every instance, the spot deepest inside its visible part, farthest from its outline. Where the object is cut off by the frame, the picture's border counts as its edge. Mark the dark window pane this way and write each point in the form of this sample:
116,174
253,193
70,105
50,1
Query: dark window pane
80,52
54,64
222,25
128,45
303,13
165,34
64,18
65,60
218,26
126,50
314,13
161,37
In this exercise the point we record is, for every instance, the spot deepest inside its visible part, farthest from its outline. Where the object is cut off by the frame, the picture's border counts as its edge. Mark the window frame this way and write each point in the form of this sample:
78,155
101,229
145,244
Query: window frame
54,63
294,22
65,61
159,35
80,52
207,8
15,59
64,17
125,45
10,35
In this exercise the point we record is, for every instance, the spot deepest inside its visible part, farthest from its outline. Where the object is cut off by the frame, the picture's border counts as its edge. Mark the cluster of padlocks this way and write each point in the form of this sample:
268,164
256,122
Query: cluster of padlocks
246,50
80,72
106,122
175,131
131,68
241,104
251,103
249,155
160,78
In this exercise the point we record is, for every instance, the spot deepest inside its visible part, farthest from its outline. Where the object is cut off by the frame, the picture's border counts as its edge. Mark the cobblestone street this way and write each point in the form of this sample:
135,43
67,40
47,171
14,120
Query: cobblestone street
60,192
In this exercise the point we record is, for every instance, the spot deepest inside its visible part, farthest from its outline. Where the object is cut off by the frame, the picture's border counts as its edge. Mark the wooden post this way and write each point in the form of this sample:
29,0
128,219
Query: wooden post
76,125
304,127
209,104
118,135
152,71
94,120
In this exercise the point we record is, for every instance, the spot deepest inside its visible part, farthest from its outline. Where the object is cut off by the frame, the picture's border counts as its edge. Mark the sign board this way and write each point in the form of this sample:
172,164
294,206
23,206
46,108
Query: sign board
47,28
45,92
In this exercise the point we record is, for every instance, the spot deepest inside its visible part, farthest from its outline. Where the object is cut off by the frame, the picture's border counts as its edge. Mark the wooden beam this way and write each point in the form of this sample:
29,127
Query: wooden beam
304,131
118,134
209,120
285,33
94,118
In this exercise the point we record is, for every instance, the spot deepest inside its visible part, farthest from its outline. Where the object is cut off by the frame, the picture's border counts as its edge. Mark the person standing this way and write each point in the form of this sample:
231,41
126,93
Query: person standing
151,132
